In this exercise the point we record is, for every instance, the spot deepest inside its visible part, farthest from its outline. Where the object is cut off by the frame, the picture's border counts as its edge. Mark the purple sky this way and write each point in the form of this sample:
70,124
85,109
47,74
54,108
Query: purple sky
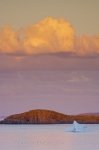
68,85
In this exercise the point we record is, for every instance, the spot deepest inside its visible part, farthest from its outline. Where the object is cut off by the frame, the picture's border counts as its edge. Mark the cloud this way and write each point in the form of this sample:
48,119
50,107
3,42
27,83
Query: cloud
9,42
78,78
87,45
50,35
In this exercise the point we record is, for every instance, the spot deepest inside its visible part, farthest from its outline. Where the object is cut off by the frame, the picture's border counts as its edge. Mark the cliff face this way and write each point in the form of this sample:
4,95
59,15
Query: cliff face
48,117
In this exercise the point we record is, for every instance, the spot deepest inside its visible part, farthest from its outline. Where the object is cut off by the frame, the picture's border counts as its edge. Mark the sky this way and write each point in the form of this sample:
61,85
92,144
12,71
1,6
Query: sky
84,15
49,56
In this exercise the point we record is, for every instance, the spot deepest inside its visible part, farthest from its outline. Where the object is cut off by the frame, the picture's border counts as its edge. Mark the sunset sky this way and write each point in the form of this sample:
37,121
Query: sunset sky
49,56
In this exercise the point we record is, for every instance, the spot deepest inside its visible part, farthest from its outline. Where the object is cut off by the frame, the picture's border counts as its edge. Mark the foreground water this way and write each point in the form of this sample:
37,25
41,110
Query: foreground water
48,137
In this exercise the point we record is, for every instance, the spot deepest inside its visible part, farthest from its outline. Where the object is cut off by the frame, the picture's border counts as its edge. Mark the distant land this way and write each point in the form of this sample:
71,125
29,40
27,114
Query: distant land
95,114
40,116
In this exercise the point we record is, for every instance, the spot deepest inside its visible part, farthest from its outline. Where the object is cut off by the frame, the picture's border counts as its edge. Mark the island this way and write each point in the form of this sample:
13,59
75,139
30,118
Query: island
42,116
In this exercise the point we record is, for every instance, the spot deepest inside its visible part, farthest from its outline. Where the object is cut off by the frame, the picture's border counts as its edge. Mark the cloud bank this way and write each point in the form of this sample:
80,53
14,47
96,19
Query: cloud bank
50,35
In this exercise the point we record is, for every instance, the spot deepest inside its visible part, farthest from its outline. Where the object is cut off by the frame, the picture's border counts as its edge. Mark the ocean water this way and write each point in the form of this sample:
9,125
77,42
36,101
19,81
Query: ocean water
48,137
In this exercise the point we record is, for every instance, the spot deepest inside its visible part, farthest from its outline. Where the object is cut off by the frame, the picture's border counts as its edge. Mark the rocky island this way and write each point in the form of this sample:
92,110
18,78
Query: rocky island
40,116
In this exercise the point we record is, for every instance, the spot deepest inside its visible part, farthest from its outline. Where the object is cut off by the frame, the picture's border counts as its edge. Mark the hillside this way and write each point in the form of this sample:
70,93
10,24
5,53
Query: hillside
48,117
38,117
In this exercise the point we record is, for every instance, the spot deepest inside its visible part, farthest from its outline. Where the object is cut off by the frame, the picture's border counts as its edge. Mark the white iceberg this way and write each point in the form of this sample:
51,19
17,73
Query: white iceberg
78,127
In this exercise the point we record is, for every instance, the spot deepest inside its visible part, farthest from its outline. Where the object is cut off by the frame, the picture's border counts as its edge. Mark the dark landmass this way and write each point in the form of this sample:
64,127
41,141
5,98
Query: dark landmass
95,114
49,117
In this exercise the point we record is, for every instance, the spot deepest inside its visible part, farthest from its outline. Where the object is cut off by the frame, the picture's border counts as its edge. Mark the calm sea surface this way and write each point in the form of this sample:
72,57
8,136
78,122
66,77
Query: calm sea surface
48,137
